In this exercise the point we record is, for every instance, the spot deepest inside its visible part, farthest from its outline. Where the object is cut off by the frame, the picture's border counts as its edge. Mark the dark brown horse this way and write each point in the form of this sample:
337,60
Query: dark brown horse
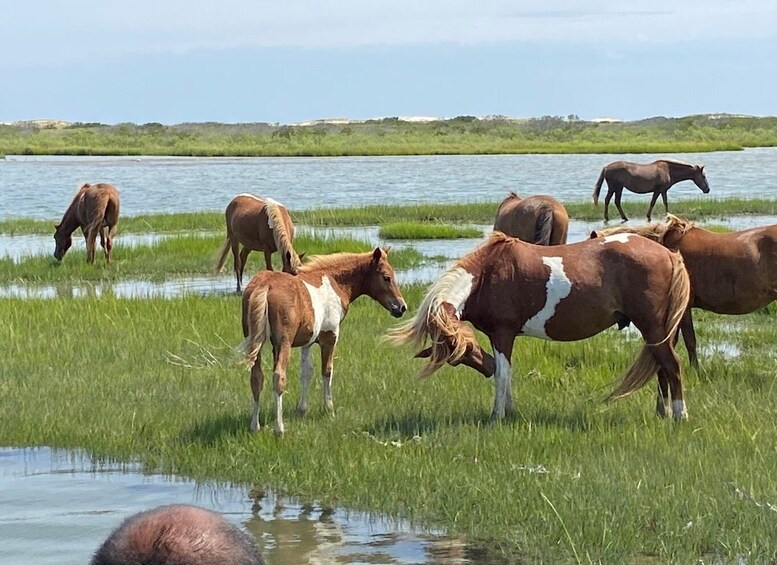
657,177
259,225
731,273
539,219
178,534
94,209
298,311
507,288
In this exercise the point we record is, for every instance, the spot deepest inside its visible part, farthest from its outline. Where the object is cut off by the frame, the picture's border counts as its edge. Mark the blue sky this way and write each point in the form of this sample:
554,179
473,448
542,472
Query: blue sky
249,60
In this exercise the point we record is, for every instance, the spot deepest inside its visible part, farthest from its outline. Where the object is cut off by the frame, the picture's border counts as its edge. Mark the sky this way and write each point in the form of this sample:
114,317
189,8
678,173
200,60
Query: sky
287,61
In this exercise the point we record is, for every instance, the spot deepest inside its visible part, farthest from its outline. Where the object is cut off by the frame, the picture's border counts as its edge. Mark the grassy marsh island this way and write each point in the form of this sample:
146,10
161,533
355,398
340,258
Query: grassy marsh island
393,136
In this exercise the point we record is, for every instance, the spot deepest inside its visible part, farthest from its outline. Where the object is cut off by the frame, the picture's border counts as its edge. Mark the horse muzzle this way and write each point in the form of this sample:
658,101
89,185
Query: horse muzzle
398,309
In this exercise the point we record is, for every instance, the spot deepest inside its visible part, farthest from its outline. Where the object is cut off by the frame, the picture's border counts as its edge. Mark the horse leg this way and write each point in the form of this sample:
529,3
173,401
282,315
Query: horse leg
666,202
91,243
670,366
243,260
257,383
327,340
618,195
689,337
279,381
503,350
652,203
607,199
306,373
235,245
268,260
662,400
104,244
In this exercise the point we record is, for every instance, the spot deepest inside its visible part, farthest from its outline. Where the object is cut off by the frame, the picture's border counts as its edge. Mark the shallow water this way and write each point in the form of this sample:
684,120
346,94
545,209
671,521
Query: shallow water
58,507
164,184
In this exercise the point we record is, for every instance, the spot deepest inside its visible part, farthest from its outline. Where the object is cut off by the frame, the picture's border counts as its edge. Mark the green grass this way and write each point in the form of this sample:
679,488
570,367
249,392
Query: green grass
568,479
460,135
173,257
418,230
467,212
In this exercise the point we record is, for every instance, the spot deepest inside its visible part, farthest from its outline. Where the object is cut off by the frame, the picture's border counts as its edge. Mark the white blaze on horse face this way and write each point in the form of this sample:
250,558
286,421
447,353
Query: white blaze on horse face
617,237
557,288
327,308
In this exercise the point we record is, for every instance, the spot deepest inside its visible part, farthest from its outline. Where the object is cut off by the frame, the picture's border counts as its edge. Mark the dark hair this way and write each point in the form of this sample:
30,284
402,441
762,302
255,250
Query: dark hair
178,534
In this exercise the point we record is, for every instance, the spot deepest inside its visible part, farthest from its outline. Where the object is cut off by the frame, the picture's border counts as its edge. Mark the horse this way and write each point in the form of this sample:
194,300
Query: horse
508,288
178,533
539,219
94,208
298,311
731,273
656,177
259,225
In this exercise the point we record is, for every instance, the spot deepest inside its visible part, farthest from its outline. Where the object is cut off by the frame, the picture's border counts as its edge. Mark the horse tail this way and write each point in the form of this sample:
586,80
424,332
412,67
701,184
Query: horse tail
598,186
544,226
256,323
278,220
646,365
96,215
435,322
223,254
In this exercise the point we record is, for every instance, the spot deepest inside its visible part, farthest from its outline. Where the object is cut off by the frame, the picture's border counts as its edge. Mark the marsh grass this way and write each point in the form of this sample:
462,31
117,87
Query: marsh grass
381,214
566,479
418,230
172,257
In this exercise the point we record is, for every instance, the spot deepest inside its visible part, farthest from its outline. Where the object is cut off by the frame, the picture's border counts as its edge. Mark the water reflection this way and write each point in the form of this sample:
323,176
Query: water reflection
63,503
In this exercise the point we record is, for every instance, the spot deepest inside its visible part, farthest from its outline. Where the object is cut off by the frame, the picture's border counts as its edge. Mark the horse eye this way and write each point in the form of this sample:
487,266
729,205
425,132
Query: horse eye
386,278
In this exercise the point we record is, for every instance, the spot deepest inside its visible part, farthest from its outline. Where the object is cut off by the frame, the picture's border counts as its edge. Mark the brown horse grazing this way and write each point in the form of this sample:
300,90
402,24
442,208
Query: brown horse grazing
539,219
94,208
657,177
260,225
731,273
507,288
299,311
178,534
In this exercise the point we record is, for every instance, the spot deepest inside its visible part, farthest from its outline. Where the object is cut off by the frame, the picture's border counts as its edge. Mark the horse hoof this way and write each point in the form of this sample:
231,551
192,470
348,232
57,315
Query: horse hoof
301,411
279,431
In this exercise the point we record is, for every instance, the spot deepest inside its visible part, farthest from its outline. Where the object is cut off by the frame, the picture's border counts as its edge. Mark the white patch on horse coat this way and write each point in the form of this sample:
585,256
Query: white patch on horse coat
557,288
327,308
617,237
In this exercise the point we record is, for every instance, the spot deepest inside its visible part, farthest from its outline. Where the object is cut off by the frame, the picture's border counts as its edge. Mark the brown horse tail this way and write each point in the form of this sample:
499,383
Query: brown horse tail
646,365
223,255
598,186
278,220
544,226
97,214
436,321
256,322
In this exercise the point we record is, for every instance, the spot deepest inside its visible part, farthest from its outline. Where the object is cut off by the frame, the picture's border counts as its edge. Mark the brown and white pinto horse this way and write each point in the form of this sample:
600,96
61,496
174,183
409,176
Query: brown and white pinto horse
539,219
260,225
731,273
507,288
298,311
94,208
656,177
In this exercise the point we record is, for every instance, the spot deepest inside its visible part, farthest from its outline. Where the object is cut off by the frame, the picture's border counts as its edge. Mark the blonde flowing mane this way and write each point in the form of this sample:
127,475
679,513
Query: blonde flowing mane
656,231
334,261
276,216
449,338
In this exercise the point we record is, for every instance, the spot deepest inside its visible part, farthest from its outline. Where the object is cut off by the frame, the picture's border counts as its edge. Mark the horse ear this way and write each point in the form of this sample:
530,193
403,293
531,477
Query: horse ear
377,254
386,250
424,353
593,235
301,255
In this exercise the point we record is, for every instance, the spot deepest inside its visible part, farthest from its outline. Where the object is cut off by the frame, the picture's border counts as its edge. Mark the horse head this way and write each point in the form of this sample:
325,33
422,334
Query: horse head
474,356
62,242
379,284
700,178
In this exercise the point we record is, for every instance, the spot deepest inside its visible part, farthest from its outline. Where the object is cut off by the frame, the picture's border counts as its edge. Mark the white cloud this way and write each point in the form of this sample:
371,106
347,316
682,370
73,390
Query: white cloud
48,32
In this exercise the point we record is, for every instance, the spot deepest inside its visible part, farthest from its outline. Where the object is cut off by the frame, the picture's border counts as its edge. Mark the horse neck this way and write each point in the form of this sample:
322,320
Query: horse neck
281,235
680,171
347,279
70,222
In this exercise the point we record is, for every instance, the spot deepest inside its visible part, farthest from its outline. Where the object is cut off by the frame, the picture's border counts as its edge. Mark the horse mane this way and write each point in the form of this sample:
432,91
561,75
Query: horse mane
334,261
677,162
434,322
276,220
70,211
657,232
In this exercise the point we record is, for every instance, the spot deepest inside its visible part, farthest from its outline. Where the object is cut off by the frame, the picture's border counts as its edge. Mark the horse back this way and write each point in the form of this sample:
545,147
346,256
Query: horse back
98,203
537,219
247,220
